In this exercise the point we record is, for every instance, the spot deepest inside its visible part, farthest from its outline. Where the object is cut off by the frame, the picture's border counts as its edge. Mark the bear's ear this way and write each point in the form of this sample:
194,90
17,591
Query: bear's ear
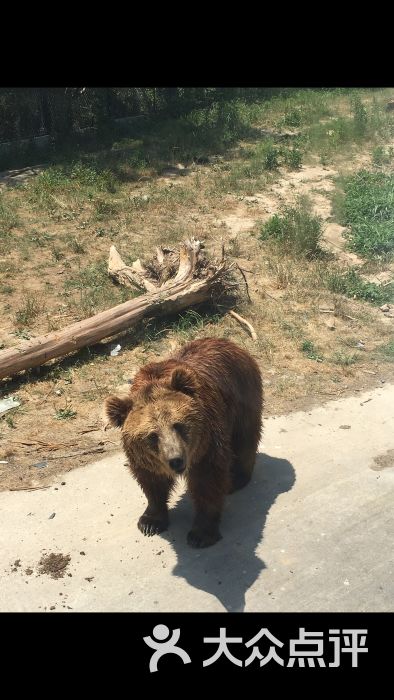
183,380
117,409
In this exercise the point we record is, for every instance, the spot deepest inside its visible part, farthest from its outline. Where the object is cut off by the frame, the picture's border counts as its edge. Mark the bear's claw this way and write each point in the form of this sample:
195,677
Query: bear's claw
150,526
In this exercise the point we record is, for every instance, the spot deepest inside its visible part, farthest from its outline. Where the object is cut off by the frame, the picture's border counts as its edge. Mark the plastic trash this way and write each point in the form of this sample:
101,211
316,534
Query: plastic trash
115,350
8,404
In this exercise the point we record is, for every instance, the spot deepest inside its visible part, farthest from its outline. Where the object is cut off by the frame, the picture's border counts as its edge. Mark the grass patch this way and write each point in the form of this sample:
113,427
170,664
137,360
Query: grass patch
344,359
353,286
382,155
30,309
297,229
6,289
8,217
308,348
185,325
387,351
93,291
367,207
65,413
72,180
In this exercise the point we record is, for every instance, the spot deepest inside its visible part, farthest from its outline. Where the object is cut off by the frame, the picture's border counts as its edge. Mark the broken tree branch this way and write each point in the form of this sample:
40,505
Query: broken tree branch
245,323
246,281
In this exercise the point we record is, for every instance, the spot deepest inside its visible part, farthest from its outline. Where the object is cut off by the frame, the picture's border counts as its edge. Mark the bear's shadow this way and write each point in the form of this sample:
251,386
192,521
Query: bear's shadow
229,568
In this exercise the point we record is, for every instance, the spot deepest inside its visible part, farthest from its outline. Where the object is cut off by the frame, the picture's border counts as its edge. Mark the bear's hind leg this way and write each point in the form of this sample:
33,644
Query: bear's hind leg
244,446
242,469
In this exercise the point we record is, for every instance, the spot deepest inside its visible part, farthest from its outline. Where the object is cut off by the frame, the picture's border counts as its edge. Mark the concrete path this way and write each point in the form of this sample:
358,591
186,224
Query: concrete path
314,531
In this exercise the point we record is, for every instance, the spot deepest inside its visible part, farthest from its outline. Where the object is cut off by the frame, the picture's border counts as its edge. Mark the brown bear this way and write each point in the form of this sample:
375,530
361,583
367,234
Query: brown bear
198,414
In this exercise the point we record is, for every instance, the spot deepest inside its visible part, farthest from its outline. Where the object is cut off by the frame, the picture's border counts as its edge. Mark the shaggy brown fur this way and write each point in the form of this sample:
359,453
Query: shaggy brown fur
197,414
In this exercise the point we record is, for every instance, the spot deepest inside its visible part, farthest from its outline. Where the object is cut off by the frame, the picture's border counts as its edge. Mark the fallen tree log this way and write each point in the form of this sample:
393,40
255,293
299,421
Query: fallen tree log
194,283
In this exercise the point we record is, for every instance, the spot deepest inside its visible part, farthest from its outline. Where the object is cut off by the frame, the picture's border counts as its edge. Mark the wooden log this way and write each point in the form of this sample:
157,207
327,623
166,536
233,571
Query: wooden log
181,292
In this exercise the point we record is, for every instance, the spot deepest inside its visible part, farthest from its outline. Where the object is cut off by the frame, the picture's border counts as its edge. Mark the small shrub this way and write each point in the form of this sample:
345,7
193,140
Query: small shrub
296,228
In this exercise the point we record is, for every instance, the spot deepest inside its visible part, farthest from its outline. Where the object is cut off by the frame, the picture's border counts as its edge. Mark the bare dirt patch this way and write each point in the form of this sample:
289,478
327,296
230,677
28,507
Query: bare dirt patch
54,565
385,461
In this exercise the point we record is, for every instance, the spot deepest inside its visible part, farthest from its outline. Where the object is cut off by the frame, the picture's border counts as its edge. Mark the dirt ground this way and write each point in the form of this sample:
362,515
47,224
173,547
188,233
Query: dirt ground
287,303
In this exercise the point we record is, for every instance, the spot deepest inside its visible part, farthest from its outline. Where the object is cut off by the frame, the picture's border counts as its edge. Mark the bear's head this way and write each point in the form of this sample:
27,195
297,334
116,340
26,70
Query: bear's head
161,422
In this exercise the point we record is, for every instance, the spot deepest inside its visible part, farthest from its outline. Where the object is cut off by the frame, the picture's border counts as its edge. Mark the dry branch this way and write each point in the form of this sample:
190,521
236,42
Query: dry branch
245,323
194,283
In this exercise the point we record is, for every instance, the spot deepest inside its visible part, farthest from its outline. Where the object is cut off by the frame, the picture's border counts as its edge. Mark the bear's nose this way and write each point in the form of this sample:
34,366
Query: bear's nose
177,464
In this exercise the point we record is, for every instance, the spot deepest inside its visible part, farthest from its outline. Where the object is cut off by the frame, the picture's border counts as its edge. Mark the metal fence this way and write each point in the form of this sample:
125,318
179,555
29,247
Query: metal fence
27,113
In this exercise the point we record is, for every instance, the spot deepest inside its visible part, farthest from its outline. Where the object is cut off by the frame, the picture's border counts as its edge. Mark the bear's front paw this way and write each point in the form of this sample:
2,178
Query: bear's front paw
150,525
200,539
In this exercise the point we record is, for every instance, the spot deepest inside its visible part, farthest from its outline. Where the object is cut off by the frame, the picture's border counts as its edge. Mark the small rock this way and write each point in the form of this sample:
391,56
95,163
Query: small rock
40,465
52,516
345,427
385,308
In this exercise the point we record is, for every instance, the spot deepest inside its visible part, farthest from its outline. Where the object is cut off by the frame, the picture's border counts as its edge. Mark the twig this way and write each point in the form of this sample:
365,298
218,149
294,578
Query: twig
46,396
31,488
245,323
269,295
245,280
78,454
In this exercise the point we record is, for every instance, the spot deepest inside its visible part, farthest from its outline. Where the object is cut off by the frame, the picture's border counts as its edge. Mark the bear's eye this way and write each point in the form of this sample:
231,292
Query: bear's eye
182,430
153,440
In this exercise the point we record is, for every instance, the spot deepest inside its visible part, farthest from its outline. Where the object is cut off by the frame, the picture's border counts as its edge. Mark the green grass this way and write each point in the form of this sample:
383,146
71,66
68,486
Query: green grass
91,290
65,413
74,245
186,325
366,122
344,359
366,206
303,107
30,309
8,217
75,179
297,229
8,221
387,351
382,155
350,284
308,348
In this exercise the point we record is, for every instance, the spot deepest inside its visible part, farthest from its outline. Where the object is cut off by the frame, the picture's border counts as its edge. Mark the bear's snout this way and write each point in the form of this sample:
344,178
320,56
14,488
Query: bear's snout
177,464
